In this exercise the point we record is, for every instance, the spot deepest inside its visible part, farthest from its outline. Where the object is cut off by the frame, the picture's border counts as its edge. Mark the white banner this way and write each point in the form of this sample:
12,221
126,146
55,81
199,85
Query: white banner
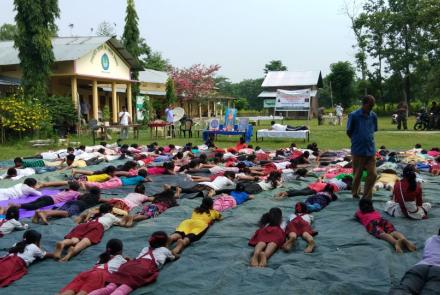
295,100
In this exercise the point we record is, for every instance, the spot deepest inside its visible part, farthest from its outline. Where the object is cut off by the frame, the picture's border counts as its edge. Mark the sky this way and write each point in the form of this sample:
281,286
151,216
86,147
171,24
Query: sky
239,35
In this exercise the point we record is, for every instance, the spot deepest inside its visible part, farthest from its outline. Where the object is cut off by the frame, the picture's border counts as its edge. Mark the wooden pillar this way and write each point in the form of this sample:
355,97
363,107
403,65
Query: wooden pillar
114,103
215,110
221,108
200,109
190,108
74,86
129,100
95,100
209,110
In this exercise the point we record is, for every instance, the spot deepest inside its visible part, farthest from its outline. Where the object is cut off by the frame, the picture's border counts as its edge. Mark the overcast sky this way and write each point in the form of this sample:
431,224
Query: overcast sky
240,35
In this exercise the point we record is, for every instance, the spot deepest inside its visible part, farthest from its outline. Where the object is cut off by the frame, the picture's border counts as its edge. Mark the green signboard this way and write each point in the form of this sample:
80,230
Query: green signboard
269,103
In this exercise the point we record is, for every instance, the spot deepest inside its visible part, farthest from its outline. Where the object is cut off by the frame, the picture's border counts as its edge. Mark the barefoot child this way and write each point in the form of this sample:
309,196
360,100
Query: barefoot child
300,226
381,228
14,265
191,230
10,222
86,234
141,271
70,208
95,278
159,203
268,238
64,196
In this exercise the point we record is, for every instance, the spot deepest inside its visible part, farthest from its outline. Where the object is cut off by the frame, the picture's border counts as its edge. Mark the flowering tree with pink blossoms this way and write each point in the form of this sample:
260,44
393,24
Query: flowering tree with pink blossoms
194,82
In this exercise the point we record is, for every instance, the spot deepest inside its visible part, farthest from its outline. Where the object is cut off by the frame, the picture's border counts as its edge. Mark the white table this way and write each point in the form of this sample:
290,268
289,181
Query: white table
301,134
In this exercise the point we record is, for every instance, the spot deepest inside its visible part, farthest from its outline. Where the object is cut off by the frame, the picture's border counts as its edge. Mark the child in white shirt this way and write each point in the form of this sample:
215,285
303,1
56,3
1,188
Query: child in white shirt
27,188
299,225
14,265
10,222
140,271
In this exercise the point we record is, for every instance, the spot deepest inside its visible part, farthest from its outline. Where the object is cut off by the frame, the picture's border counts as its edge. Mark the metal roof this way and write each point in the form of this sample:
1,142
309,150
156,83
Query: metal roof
68,48
152,76
273,94
288,78
269,94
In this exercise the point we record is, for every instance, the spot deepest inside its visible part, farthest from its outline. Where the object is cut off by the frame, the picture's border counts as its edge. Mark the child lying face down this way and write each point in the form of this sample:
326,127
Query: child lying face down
27,188
268,238
299,225
70,208
9,220
380,227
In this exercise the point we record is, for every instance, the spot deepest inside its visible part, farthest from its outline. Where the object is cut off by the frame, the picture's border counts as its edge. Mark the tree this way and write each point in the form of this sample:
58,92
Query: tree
194,82
170,96
35,22
130,39
248,89
241,104
341,78
155,61
8,32
274,65
106,29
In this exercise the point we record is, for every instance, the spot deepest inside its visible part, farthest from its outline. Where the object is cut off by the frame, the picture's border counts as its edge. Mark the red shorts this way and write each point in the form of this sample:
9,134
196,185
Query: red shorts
91,230
135,273
88,281
268,234
12,268
299,226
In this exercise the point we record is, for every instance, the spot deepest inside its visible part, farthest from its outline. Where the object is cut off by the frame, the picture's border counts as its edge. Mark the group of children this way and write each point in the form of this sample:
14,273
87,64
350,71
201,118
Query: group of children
222,178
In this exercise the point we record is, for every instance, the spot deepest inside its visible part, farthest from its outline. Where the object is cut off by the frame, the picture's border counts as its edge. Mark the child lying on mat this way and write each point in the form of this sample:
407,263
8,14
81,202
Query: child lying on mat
95,278
70,208
299,225
9,220
20,190
15,264
191,230
141,271
64,196
380,227
159,203
268,238
86,234
319,186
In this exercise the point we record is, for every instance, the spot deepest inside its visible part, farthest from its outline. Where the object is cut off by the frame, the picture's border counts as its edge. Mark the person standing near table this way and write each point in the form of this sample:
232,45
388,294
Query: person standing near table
85,109
170,119
124,120
361,126
402,110
339,110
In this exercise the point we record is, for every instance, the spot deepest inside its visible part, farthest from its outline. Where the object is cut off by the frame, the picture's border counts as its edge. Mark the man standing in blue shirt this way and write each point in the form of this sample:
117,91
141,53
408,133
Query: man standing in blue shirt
361,126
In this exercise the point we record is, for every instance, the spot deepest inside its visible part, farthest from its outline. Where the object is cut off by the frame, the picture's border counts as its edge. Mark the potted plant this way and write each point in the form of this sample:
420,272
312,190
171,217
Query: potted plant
106,115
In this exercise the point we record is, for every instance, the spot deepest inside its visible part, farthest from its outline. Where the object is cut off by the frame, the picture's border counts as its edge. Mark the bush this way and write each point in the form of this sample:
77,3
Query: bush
61,110
19,115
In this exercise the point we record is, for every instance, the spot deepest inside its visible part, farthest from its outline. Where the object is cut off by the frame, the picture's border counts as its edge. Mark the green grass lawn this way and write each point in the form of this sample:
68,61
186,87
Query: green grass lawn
327,137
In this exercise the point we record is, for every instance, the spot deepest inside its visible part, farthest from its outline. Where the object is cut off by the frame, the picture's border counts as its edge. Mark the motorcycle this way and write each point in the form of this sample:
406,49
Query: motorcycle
423,121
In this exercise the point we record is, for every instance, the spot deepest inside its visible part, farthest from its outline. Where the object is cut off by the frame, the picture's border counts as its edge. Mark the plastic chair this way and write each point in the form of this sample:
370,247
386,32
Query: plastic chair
187,127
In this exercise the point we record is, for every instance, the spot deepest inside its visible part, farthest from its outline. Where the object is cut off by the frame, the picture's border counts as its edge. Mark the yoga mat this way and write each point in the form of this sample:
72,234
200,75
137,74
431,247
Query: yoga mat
30,213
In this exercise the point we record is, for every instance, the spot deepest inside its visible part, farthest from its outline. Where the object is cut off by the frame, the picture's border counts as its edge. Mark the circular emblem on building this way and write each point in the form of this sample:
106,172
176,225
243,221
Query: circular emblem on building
105,62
